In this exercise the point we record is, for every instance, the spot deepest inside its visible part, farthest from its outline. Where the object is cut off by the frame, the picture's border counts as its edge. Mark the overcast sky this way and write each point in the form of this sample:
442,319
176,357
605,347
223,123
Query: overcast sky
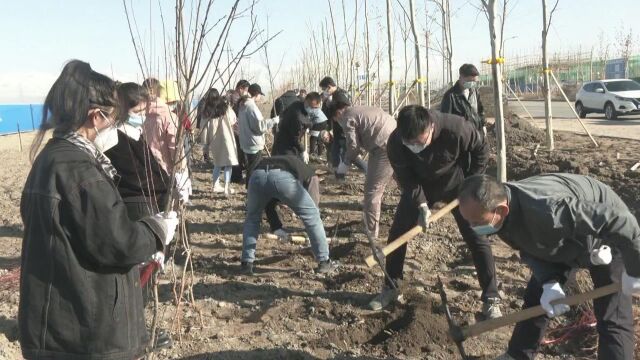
39,36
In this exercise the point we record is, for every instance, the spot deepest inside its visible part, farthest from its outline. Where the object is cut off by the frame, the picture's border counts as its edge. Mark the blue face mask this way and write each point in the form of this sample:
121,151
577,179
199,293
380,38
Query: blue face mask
136,120
488,229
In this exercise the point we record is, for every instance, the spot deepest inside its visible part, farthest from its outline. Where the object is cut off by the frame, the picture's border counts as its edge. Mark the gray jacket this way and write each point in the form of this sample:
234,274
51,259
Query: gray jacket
252,127
556,220
365,127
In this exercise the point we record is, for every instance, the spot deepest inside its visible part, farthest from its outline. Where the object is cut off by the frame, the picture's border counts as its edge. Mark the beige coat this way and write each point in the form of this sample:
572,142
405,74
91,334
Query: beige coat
365,127
221,142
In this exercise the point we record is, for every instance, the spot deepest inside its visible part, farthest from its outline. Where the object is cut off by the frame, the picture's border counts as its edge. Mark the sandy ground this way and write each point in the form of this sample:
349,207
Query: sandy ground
288,312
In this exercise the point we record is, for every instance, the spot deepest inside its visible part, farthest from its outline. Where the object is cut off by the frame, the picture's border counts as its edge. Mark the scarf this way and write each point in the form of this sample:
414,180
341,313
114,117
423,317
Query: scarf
87,146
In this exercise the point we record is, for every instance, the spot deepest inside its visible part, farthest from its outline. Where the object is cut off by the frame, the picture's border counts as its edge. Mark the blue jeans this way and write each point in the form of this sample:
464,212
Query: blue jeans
265,185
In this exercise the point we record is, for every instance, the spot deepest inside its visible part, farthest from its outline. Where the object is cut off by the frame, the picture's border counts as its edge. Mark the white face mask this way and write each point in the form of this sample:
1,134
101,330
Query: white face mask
470,84
106,138
415,148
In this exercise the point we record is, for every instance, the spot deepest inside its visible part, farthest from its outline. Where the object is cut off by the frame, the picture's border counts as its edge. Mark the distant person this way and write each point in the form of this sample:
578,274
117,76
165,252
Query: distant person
80,294
252,127
463,98
233,98
302,94
561,222
221,142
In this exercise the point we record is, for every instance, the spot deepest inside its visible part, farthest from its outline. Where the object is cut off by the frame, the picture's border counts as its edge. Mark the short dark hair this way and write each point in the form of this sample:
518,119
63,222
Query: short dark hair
413,120
130,95
468,70
153,86
326,82
313,97
484,189
242,84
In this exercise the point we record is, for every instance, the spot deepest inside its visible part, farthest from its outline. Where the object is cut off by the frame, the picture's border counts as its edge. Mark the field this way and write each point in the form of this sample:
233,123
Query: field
287,311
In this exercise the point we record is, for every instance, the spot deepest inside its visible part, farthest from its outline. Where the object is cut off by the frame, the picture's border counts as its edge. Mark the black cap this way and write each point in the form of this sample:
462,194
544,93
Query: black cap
340,97
255,89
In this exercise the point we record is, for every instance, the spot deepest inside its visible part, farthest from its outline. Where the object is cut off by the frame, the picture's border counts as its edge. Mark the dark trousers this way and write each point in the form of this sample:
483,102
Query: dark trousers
252,160
236,171
313,188
406,217
613,313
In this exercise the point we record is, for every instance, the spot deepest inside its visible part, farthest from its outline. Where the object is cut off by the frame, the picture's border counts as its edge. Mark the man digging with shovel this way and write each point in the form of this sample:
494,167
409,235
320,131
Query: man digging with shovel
559,222
429,152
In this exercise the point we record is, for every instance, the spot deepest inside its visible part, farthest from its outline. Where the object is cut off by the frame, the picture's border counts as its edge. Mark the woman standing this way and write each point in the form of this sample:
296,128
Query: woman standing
80,296
221,142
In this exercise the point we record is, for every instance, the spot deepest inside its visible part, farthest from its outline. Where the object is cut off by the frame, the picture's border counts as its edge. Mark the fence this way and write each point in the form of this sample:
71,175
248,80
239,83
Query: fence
14,118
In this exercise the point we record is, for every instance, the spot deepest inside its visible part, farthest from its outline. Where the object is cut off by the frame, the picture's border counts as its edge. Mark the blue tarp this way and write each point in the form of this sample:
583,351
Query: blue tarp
26,117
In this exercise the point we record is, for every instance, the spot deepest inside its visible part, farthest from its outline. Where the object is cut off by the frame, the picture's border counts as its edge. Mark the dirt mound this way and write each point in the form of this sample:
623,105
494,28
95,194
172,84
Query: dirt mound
415,328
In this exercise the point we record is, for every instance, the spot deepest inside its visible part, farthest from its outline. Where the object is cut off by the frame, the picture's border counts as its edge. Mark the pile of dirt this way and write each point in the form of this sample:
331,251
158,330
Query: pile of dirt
416,328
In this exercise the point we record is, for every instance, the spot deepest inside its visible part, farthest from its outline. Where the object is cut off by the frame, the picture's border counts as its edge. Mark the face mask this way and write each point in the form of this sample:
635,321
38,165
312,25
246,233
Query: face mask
106,138
325,93
470,84
487,229
416,149
136,120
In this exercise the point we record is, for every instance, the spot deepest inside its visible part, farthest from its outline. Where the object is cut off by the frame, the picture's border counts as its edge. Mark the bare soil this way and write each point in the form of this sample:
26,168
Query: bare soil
287,311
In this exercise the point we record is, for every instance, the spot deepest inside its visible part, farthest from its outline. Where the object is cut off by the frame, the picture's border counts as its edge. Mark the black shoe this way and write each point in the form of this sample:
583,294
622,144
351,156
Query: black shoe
163,339
246,268
327,266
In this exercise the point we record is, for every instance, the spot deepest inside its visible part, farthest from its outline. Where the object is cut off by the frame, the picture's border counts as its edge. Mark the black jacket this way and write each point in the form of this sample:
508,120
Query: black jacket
283,102
289,163
140,174
80,295
328,110
294,121
437,171
454,102
555,220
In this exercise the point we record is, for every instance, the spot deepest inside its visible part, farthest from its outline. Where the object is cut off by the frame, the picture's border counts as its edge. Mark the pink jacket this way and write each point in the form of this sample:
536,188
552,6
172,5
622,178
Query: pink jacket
160,129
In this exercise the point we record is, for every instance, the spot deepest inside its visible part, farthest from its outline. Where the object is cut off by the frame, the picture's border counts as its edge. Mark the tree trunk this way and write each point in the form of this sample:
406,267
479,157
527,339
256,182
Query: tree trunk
546,85
427,78
367,53
418,57
392,86
497,94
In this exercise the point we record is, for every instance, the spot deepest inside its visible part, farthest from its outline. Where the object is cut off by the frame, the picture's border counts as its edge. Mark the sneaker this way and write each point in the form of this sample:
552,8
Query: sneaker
217,188
505,356
229,191
282,235
163,339
327,266
491,308
246,268
386,297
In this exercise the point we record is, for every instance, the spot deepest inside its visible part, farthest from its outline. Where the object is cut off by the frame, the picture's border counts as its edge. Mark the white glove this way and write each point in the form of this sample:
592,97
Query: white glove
601,256
630,285
159,259
305,157
484,130
342,168
425,214
553,291
169,222
276,120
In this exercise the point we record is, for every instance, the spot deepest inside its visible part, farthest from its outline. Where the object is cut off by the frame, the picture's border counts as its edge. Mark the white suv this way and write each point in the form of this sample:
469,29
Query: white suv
612,97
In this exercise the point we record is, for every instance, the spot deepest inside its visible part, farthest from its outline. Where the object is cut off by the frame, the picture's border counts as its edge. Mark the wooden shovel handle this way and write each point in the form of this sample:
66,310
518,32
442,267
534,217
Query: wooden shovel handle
404,238
526,314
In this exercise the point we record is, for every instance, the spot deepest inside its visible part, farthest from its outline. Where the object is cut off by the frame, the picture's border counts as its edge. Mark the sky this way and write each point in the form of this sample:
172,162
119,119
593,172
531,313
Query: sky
39,36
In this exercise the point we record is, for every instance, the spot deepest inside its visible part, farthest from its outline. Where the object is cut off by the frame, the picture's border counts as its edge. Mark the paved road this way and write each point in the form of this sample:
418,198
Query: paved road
564,119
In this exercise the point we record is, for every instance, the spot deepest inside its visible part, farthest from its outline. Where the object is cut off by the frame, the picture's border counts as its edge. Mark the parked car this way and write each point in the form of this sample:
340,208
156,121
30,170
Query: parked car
612,97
